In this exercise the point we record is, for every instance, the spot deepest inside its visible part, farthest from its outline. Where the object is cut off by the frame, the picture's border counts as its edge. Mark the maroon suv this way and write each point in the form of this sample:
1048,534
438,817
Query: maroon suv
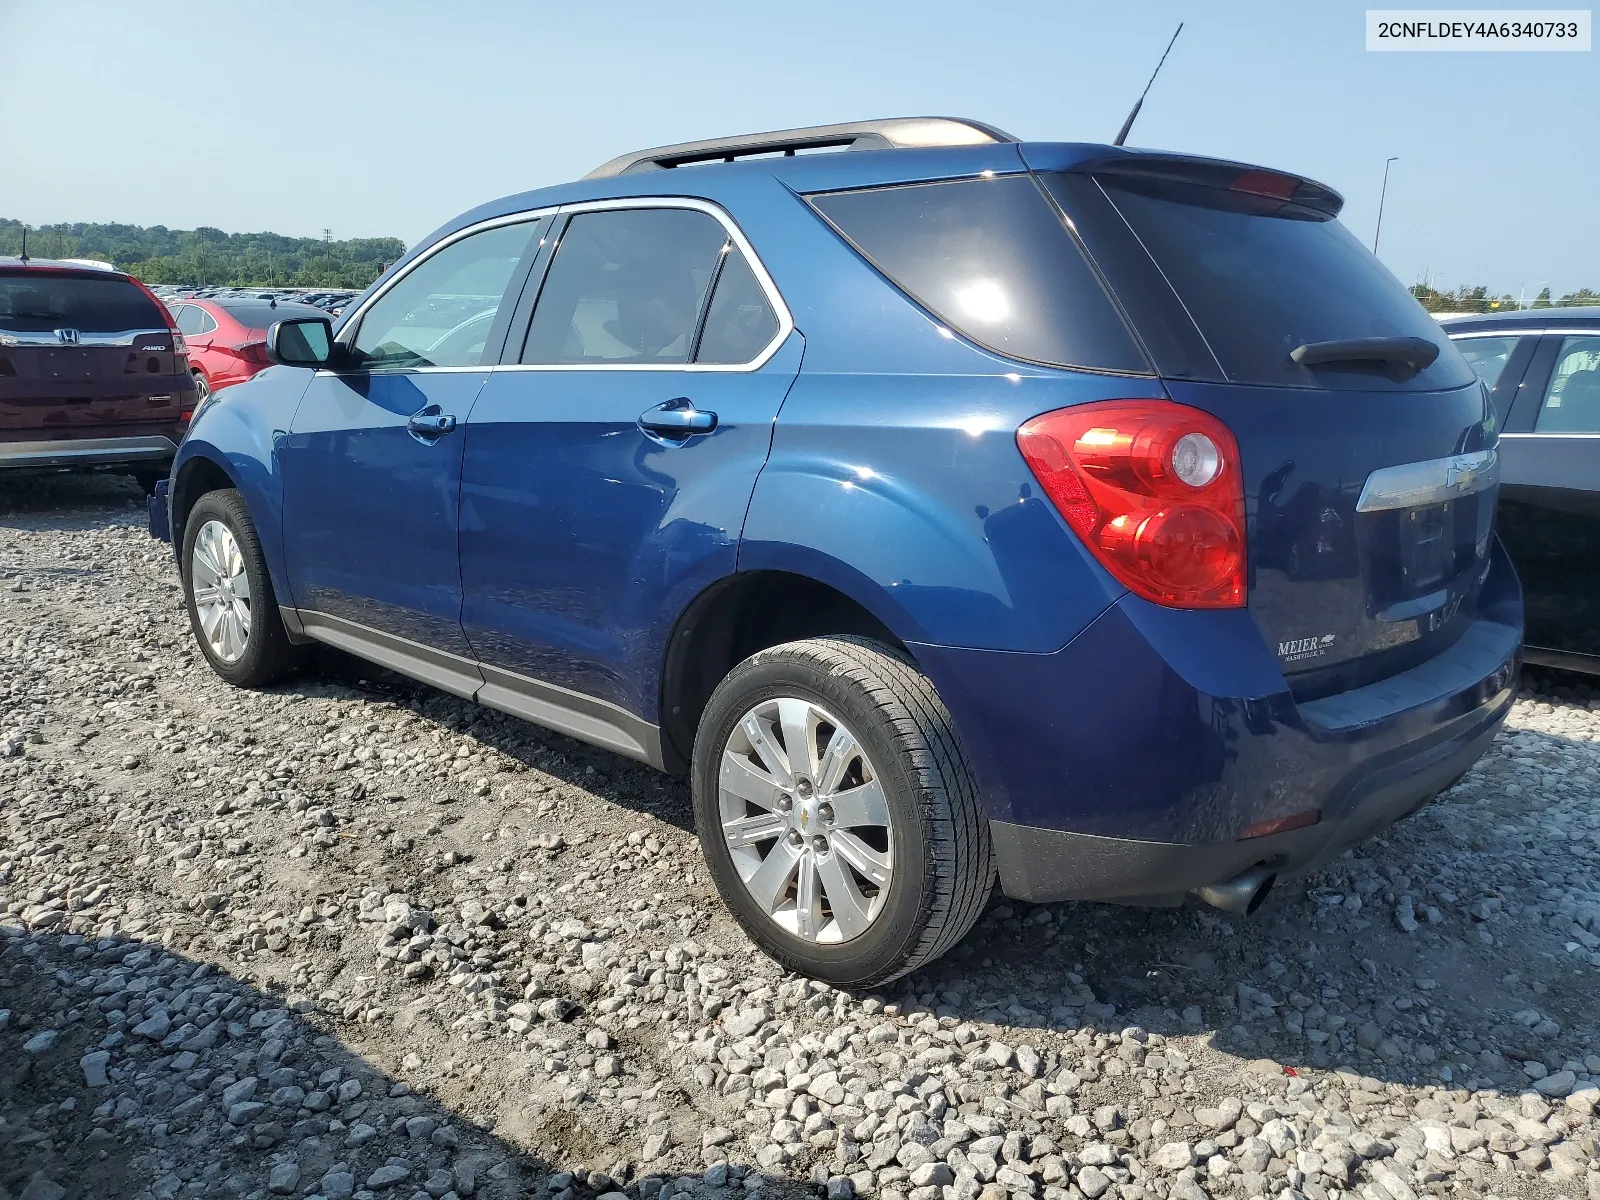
94,376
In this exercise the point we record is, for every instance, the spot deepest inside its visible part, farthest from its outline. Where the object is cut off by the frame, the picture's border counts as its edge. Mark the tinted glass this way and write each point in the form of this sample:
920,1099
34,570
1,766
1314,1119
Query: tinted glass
190,318
1487,356
1572,401
204,321
441,312
260,315
1261,277
625,286
741,322
39,301
992,259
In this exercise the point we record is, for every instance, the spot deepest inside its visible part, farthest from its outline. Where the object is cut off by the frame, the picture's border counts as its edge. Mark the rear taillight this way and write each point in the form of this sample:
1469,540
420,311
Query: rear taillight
254,353
1155,492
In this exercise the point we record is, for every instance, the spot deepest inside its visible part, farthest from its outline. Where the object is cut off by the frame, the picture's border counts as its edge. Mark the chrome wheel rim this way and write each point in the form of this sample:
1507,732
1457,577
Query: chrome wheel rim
221,590
202,389
806,821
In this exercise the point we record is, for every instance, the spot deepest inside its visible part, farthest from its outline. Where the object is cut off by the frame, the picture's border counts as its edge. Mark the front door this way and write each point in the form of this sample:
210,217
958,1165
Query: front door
372,466
607,475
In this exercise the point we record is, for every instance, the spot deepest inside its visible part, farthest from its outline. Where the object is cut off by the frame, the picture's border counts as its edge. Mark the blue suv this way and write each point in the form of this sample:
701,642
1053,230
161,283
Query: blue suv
946,507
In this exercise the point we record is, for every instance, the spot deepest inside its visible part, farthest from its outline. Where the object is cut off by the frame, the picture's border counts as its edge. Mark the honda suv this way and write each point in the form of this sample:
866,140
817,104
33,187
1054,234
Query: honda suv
946,507
93,373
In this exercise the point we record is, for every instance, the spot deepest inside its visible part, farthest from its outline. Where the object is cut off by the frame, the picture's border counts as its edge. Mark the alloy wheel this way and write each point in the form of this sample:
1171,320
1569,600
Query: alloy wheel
806,821
221,591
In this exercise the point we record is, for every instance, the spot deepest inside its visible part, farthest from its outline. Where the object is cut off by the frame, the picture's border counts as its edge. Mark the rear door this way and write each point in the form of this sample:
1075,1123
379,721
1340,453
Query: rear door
1550,493
83,354
608,471
1369,487
372,465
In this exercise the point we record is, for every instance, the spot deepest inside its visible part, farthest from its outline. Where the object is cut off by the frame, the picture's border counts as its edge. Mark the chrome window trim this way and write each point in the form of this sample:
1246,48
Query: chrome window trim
1519,333
1432,481
736,235
1550,433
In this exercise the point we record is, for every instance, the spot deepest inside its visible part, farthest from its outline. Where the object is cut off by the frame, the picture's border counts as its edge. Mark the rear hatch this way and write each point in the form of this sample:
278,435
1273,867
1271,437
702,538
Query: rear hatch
85,353
1368,460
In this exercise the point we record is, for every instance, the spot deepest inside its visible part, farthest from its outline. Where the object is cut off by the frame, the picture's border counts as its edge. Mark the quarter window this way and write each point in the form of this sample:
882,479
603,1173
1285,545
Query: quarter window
626,286
741,322
1487,356
441,312
189,318
1572,401
992,259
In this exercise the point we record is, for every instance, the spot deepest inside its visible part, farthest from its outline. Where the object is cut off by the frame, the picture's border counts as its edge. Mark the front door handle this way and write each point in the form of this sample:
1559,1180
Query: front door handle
677,420
430,424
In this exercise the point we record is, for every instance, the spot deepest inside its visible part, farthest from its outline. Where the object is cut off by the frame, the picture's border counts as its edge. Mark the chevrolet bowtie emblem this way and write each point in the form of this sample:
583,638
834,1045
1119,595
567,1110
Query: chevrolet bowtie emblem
1457,476
805,818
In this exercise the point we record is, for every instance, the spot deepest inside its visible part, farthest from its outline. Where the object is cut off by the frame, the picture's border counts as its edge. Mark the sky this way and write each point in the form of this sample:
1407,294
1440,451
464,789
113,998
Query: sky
387,119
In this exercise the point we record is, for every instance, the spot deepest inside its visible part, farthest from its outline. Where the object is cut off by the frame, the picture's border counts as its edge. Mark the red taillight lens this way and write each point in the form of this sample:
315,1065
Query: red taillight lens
1154,490
254,353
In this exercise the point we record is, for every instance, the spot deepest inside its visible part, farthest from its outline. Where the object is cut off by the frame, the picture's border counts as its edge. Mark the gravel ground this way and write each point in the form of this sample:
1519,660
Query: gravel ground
354,937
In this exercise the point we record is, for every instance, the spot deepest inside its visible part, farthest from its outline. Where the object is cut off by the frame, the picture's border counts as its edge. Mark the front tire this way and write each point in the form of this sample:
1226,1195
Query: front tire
226,587
837,813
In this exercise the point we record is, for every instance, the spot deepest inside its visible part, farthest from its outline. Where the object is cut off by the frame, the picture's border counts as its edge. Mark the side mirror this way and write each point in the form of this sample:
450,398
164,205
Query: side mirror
301,342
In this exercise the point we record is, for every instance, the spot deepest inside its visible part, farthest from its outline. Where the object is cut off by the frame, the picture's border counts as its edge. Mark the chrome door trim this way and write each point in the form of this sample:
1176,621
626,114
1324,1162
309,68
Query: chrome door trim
1432,481
1534,433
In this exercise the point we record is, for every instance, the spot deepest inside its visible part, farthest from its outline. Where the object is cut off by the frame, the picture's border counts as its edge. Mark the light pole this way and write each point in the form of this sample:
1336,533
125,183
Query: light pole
1381,196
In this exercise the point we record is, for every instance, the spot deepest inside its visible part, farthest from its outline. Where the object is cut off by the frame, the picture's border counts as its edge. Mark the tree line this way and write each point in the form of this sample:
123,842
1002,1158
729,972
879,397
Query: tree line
209,256
1477,299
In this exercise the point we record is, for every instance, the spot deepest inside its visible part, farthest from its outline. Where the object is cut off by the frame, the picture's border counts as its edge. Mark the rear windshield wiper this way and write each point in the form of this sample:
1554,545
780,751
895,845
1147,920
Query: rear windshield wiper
1414,353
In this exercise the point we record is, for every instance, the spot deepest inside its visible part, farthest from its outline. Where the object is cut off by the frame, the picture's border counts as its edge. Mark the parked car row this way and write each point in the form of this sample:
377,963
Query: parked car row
947,507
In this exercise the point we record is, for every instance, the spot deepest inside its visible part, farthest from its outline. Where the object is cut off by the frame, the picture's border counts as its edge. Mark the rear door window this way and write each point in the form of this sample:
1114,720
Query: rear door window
44,301
1258,275
626,286
1572,398
991,259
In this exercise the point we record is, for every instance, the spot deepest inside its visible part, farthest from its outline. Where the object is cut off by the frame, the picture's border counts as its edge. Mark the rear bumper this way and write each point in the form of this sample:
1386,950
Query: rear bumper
1126,766
56,453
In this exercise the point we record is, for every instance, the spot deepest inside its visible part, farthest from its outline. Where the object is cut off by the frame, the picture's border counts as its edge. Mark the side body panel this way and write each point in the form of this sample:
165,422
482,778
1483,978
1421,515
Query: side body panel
370,510
582,538
240,434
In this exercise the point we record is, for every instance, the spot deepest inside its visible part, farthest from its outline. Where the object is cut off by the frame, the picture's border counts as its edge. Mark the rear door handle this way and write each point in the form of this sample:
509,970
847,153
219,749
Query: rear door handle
430,424
676,420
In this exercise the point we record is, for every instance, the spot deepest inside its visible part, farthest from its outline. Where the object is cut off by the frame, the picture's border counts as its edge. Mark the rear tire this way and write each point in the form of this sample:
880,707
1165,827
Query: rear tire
888,892
232,609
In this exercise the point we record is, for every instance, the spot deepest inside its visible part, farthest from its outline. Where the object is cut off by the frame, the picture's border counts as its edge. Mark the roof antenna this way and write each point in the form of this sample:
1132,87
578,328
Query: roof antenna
1127,125
24,243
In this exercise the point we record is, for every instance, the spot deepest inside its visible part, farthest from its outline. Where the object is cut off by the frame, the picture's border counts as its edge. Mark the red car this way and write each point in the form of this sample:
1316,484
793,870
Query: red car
227,337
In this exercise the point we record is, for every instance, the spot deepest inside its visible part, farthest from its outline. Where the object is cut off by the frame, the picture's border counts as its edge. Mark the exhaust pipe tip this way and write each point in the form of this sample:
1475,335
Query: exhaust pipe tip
1242,894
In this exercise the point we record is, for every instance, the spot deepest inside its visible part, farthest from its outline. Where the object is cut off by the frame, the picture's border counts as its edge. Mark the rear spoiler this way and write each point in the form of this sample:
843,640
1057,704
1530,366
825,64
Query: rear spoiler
1217,173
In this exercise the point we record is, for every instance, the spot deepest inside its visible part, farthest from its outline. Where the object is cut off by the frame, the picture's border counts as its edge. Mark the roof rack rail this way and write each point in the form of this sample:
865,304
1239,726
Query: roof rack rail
892,133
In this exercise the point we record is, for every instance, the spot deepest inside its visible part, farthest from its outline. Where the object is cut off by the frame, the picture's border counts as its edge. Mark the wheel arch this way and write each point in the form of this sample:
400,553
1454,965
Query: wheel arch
734,618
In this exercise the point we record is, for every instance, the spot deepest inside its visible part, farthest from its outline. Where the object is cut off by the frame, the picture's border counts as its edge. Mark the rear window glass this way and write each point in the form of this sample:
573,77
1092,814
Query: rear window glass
991,259
1261,277
39,302
263,315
